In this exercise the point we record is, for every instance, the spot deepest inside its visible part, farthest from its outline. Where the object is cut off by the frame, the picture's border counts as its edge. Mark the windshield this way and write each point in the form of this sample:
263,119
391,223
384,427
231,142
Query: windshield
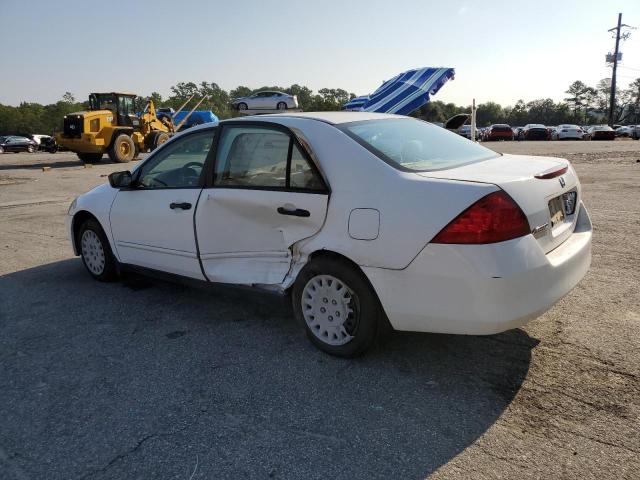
414,145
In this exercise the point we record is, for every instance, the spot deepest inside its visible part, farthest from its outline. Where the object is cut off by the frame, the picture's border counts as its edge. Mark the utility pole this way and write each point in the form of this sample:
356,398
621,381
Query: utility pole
612,99
619,36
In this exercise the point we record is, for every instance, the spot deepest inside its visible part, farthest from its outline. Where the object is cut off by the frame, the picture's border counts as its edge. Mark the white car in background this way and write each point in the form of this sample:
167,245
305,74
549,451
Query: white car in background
567,131
266,100
367,220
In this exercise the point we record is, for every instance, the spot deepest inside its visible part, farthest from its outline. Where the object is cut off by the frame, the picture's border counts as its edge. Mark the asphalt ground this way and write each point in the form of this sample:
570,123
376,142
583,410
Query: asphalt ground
147,379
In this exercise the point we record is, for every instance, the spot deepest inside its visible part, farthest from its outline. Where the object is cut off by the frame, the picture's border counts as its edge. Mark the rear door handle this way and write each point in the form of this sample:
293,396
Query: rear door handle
296,212
183,206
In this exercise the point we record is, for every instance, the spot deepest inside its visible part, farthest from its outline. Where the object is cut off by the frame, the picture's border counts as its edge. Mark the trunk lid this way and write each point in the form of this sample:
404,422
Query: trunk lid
545,201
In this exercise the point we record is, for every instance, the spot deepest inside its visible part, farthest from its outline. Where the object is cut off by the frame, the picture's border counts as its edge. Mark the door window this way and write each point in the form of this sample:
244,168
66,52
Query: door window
252,157
178,165
263,157
302,175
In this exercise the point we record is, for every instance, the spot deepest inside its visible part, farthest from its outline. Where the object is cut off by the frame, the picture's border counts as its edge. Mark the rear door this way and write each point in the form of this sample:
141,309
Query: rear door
265,194
153,224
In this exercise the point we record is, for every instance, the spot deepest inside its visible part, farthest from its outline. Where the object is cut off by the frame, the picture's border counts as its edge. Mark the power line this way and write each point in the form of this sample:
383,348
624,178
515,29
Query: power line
629,68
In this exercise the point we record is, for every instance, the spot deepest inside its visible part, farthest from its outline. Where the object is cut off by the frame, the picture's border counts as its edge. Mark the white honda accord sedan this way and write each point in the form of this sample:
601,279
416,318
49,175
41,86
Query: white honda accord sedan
368,221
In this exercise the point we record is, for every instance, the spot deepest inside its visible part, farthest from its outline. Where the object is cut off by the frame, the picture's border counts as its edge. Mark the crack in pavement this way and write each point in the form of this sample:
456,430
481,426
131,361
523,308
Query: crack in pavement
121,456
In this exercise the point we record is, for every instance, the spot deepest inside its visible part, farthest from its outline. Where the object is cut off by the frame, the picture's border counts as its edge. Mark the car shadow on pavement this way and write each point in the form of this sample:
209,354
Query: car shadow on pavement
39,165
144,378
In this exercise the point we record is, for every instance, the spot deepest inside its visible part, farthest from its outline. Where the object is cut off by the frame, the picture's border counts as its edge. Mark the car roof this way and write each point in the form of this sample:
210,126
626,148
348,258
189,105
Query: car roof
334,118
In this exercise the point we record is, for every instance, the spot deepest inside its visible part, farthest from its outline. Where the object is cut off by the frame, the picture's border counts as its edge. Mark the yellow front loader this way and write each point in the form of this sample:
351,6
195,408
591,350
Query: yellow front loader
112,126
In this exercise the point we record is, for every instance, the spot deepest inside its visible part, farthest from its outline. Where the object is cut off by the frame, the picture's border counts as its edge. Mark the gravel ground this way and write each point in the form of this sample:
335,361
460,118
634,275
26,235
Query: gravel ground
147,379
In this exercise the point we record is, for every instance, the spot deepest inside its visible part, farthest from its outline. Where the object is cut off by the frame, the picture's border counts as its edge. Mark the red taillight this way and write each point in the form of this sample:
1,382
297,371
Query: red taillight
494,218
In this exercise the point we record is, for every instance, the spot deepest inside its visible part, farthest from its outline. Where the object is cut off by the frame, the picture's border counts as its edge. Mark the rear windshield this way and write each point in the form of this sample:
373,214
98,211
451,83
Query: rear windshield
414,145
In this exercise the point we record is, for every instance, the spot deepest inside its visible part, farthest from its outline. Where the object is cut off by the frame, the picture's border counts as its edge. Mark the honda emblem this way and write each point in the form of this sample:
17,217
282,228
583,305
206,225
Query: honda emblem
562,182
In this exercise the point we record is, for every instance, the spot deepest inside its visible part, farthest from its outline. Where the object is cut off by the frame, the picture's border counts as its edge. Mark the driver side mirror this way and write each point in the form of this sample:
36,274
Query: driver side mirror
120,179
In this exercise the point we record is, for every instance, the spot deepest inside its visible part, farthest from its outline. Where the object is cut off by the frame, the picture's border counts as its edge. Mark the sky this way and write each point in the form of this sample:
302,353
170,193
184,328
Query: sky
501,50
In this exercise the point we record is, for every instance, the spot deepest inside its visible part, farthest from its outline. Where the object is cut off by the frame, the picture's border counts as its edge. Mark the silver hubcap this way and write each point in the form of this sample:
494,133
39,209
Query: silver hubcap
92,252
327,306
242,106
282,106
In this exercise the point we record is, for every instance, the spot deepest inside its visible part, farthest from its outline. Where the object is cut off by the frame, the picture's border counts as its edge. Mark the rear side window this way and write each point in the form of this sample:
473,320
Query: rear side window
263,157
413,145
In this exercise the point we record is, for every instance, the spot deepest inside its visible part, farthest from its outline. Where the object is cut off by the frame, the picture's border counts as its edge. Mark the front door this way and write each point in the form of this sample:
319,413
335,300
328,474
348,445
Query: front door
152,224
266,195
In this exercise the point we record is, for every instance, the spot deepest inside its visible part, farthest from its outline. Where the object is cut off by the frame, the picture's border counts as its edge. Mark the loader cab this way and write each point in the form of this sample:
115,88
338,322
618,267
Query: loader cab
123,106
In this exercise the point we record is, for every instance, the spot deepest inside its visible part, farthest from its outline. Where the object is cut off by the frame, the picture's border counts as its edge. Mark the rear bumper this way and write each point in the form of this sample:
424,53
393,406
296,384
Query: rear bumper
575,136
500,136
603,136
536,135
482,289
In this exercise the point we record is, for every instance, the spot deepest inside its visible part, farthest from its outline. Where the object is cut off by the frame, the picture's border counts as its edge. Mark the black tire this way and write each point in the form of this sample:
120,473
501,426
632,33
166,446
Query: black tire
367,319
90,157
109,271
242,106
1,150
281,106
31,148
156,139
122,149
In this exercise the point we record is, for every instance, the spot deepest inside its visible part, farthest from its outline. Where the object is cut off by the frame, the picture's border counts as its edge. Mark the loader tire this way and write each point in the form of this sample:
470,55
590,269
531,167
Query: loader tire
122,150
157,139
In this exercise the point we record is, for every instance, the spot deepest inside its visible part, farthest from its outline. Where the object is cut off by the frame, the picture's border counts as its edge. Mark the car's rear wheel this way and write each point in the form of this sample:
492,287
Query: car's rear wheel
122,149
1,150
90,157
95,252
337,306
281,106
31,148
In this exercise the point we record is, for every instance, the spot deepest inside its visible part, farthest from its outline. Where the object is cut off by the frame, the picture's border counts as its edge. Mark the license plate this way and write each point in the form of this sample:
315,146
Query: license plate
556,211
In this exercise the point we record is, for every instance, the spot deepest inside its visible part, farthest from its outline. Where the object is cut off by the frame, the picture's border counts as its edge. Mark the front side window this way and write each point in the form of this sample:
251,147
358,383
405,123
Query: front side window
178,165
263,157
413,145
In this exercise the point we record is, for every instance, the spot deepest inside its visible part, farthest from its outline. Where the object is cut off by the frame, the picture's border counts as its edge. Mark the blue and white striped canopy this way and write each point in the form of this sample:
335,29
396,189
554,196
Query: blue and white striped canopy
404,92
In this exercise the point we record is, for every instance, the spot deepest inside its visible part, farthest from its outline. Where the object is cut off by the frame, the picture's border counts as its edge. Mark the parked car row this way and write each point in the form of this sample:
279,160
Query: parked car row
19,143
535,131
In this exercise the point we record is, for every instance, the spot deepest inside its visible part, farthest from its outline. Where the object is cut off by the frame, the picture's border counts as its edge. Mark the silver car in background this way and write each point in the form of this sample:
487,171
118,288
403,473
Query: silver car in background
266,100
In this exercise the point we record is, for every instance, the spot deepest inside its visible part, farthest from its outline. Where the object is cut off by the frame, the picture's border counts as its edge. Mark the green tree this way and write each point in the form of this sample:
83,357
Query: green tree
68,97
576,97
240,91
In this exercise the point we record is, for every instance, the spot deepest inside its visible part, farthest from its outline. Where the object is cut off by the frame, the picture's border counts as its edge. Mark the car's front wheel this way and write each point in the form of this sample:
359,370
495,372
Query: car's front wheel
337,306
95,252
242,106
31,148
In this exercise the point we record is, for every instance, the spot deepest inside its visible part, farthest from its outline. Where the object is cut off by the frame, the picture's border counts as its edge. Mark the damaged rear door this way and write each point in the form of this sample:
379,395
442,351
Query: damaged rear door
265,195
